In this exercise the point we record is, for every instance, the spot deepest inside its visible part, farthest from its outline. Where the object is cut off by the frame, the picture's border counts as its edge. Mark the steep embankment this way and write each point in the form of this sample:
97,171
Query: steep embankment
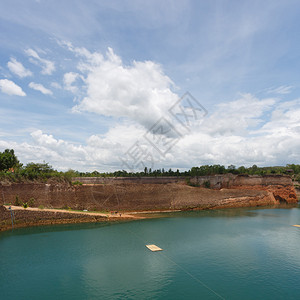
297,189
140,194
155,194
24,218
281,187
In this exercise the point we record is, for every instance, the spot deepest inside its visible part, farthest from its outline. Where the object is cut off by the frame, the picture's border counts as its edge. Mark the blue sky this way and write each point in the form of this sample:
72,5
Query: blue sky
81,82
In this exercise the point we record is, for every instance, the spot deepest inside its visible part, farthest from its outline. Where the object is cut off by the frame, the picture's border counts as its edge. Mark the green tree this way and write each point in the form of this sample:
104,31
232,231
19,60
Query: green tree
242,170
39,168
8,160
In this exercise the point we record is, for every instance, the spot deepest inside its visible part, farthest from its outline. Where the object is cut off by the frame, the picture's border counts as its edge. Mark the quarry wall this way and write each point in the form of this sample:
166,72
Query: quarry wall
150,193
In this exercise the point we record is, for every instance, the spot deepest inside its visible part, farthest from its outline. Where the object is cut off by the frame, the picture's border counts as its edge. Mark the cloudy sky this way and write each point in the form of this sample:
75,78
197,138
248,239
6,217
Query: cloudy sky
101,85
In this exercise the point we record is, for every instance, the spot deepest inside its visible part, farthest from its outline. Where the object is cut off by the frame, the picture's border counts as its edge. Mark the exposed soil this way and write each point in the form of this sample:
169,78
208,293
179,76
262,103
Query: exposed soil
36,217
137,196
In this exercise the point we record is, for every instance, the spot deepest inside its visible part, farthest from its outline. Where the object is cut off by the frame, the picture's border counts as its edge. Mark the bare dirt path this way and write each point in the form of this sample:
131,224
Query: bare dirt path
106,215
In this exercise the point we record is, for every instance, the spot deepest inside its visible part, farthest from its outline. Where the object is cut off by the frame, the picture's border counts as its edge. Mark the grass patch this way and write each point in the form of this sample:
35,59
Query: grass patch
77,182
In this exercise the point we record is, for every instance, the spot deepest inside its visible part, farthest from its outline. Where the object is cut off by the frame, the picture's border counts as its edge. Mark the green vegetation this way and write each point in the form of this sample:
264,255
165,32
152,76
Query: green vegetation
31,202
76,182
12,170
206,184
8,160
18,202
188,182
204,170
66,207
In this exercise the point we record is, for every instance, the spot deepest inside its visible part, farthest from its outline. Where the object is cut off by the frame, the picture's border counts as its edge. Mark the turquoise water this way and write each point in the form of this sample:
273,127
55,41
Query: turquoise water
229,254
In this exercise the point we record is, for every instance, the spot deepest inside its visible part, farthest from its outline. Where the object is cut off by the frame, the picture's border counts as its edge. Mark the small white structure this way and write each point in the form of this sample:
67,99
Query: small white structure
153,248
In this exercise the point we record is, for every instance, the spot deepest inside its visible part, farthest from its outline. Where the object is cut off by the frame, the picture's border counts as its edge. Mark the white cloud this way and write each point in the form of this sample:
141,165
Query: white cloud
17,68
237,117
140,91
100,152
245,131
56,85
281,90
47,66
274,142
40,88
69,79
10,88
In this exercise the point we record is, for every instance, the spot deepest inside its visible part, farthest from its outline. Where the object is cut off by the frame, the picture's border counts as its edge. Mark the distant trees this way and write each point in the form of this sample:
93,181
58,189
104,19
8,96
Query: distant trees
203,170
207,170
12,169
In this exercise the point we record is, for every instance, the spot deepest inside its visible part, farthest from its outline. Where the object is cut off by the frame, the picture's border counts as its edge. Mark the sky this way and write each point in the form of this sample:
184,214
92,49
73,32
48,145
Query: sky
127,84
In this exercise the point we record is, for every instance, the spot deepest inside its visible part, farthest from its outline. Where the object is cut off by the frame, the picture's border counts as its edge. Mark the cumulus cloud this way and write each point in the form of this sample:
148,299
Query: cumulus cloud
139,91
17,68
274,142
248,130
47,66
63,154
237,117
10,88
40,88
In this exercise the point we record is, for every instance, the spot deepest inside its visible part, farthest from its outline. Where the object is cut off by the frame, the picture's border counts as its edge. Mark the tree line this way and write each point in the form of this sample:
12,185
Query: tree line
11,168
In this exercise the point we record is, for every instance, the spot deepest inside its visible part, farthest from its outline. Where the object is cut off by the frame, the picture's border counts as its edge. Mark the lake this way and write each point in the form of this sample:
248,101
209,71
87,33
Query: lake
221,254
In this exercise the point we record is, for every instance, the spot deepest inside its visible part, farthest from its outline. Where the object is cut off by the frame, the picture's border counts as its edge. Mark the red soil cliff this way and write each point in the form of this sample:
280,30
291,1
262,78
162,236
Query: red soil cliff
155,194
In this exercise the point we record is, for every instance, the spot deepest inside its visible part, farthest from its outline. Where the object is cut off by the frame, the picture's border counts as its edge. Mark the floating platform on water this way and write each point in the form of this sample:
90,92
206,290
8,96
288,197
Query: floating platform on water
296,225
153,248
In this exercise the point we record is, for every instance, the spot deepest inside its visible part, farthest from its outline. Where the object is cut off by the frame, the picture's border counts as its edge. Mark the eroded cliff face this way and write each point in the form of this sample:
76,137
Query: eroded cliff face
281,194
281,187
147,194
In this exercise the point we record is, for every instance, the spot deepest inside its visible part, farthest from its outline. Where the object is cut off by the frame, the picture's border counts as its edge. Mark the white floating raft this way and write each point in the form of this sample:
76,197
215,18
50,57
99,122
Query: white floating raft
296,225
153,248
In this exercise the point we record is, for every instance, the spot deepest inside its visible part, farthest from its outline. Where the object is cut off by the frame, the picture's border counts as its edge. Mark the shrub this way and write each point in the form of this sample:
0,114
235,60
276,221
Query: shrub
17,201
188,182
66,207
206,184
76,182
25,205
31,202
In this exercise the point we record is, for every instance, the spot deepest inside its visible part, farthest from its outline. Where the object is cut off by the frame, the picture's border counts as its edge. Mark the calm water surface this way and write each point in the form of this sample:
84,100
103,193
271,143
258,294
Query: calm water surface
229,254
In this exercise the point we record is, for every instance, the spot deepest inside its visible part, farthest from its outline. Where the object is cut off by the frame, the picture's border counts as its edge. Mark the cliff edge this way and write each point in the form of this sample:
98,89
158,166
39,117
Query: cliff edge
149,193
